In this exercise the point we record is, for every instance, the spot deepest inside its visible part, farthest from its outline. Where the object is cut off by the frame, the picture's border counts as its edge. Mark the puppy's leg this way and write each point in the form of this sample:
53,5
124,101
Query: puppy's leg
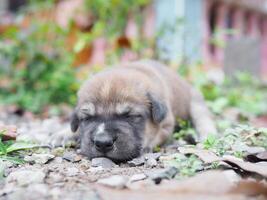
165,129
201,116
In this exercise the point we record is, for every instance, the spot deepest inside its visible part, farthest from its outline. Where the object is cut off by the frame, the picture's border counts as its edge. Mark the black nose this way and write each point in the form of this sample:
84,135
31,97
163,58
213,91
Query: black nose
103,144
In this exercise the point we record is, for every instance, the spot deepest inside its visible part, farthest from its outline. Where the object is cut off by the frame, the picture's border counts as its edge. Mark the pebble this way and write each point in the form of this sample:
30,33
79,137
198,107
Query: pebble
38,190
72,171
151,162
55,177
95,169
59,151
255,150
58,160
137,177
116,181
152,155
72,157
84,164
103,162
159,175
39,158
26,177
137,162
140,185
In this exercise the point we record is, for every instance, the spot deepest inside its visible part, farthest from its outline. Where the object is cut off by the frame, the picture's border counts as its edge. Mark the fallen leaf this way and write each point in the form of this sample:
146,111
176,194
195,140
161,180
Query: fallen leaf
243,167
257,157
222,185
205,155
262,156
219,182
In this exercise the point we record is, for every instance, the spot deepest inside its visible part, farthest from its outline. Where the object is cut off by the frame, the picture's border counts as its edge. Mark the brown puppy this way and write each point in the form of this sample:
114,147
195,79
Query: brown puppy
125,109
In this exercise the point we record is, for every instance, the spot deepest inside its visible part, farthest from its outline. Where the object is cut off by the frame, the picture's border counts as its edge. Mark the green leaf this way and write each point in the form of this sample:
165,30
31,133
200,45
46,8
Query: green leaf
12,159
20,146
210,142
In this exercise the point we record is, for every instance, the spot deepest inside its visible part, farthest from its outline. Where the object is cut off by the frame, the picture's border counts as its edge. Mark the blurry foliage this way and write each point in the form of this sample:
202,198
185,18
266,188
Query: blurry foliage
36,66
109,21
187,165
185,129
110,17
242,91
235,141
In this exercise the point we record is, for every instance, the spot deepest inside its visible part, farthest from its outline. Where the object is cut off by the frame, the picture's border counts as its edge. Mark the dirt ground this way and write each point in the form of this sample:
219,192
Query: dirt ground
59,173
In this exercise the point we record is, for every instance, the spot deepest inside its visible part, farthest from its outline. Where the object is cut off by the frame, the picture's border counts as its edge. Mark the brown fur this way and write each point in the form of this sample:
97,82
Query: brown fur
125,87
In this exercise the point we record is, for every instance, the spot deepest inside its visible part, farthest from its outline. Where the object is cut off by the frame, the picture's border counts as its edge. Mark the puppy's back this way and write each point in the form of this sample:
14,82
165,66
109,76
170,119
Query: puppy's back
174,88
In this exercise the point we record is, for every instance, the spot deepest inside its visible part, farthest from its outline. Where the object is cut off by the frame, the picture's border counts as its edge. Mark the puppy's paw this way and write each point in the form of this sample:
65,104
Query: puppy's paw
64,138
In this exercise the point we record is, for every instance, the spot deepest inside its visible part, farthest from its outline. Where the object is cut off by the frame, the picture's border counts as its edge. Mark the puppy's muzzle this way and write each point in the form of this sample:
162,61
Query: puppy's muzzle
103,143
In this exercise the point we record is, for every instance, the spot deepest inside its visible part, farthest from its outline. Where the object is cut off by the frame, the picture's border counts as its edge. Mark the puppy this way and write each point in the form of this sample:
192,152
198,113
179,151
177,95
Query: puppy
132,108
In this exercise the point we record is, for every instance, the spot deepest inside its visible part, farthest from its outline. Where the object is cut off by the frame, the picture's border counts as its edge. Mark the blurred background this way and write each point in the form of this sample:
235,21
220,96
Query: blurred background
47,48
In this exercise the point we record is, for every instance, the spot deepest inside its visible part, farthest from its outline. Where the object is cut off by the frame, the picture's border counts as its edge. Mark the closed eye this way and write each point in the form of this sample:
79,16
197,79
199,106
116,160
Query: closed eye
88,117
131,115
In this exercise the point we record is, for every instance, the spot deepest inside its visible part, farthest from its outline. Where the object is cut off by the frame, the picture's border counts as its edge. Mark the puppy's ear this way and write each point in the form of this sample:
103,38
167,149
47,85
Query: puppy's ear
74,124
158,108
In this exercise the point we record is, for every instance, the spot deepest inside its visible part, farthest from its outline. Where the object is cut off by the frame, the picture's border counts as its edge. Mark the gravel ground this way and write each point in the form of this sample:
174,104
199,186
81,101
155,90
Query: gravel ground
62,173
58,173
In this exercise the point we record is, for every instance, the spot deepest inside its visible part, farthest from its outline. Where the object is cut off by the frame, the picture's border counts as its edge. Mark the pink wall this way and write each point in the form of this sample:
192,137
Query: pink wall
246,20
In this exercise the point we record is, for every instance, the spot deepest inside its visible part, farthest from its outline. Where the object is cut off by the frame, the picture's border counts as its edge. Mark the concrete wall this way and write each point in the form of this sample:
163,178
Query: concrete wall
178,23
169,16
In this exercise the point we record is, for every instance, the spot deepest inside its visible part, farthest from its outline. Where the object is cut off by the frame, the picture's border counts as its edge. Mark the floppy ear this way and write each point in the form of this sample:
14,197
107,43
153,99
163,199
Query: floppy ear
74,124
158,109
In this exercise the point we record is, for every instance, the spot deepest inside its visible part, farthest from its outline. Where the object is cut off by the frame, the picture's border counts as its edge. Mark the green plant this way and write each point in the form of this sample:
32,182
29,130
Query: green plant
187,166
8,149
109,21
235,141
185,129
114,13
37,66
243,91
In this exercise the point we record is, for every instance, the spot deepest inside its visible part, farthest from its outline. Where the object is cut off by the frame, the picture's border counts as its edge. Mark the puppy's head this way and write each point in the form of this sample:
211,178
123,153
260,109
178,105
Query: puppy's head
112,119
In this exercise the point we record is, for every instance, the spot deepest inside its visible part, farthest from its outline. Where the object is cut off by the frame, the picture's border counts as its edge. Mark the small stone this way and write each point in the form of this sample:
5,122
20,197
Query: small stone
140,185
103,162
39,190
161,174
39,158
136,162
262,155
72,157
59,151
255,150
26,177
84,164
56,178
137,177
152,155
18,193
115,181
151,162
58,160
8,132
95,169
72,171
